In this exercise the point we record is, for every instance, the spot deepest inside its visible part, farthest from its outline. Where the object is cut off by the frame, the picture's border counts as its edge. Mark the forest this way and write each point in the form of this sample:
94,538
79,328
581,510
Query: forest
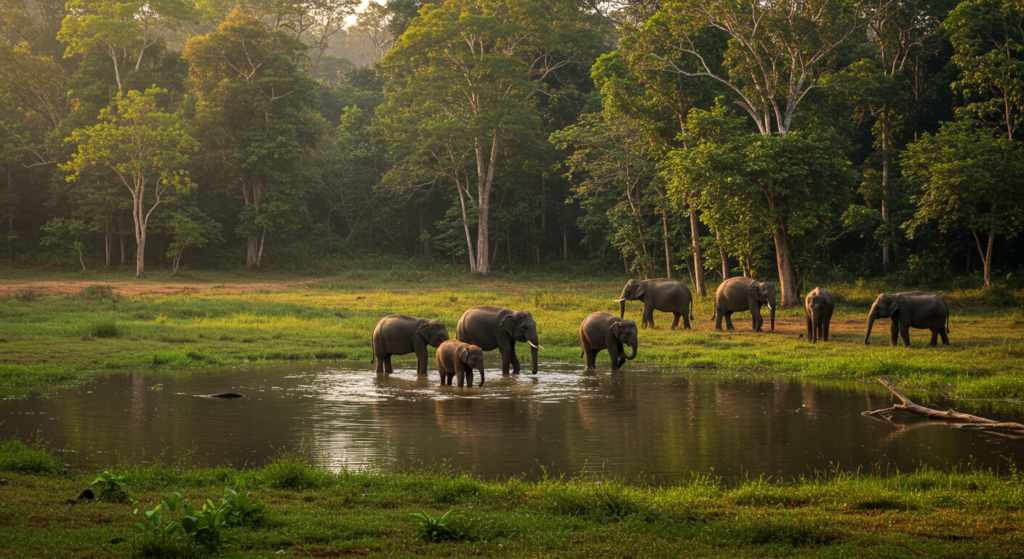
792,141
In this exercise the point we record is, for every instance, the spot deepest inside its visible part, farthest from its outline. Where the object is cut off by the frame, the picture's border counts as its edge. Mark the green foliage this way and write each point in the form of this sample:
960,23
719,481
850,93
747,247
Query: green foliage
289,471
106,329
449,527
16,456
112,486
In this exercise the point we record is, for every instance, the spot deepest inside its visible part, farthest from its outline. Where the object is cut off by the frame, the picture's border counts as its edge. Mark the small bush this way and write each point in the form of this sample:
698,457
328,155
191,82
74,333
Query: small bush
288,471
26,296
97,292
107,329
449,528
112,486
16,456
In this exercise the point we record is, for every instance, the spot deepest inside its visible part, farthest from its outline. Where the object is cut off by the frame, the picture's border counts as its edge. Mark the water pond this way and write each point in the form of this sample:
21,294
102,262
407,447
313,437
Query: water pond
661,423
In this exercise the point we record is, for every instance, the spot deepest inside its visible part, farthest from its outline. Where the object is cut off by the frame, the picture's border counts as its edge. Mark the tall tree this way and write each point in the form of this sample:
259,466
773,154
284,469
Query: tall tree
471,71
255,116
145,147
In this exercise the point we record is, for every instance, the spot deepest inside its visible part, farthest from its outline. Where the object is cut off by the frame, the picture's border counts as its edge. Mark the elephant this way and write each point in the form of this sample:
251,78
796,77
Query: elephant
456,359
818,308
914,309
602,330
666,295
742,294
399,334
498,328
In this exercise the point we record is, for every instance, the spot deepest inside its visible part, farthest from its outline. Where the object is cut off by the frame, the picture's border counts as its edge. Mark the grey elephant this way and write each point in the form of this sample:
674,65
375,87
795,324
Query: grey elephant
602,330
914,309
399,334
744,294
498,328
818,308
456,359
666,295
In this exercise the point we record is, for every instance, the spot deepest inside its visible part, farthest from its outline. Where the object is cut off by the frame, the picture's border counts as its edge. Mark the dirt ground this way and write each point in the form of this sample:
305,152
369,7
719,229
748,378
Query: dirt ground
134,288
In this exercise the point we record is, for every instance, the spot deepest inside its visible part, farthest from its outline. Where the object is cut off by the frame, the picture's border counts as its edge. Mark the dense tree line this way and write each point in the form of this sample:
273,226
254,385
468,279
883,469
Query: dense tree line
788,140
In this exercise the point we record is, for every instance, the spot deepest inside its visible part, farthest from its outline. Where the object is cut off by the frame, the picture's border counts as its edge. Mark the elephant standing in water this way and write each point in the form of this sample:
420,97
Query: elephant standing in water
456,359
602,330
744,294
399,334
818,308
498,328
666,295
914,309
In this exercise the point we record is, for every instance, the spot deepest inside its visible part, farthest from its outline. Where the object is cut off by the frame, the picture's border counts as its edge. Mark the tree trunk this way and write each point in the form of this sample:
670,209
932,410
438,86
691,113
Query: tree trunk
140,252
668,251
124,249
565,244
485,179
885,186
698,263
108,243
721,254
252,192
787,274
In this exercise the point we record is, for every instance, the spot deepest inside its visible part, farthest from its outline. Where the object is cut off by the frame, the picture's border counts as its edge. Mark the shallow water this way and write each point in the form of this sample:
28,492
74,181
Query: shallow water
647,420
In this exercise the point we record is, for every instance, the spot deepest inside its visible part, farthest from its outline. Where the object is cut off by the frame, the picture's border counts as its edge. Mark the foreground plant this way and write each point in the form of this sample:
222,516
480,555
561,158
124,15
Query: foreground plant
113,486
455,529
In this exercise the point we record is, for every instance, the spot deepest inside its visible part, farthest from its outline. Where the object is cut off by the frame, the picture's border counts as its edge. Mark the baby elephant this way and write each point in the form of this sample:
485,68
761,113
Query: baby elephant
818,308
600,331
399,334
455,358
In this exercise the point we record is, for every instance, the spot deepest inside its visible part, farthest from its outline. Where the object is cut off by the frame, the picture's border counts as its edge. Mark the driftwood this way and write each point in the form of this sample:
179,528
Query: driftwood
963,420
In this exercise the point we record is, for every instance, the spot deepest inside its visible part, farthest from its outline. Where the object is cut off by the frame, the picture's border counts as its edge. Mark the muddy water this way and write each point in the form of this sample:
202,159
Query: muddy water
646,421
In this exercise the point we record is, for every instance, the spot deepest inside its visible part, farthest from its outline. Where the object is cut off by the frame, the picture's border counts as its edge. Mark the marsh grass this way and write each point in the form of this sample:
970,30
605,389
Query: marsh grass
439,512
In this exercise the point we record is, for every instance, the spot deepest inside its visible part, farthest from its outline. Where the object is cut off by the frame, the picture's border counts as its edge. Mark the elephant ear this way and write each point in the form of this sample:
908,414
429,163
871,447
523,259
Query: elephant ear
755,290
462,354
639,291
508,324
424,332
614,328
894,306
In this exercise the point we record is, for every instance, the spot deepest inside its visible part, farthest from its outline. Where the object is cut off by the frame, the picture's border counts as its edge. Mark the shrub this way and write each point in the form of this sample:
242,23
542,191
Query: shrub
16,456
97,292
288,471
107,329
112,486
450,527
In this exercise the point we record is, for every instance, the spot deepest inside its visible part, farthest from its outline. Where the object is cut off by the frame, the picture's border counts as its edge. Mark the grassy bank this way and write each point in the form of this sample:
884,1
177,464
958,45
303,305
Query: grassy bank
58,328
312,513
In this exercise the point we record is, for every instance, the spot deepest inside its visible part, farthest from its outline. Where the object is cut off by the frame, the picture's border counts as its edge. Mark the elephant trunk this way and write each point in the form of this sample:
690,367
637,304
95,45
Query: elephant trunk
622,308
771,309
871,322
816,317
481,374
533,357
632,345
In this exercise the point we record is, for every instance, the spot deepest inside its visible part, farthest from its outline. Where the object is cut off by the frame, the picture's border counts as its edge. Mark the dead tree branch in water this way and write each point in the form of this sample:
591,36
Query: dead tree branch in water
966,420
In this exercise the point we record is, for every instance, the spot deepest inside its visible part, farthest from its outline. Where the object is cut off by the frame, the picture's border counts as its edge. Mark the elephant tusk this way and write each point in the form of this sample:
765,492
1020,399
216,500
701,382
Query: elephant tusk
770,306
535,345
618,300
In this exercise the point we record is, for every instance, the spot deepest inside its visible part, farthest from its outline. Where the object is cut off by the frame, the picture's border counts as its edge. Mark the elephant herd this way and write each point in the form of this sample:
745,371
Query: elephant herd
485,328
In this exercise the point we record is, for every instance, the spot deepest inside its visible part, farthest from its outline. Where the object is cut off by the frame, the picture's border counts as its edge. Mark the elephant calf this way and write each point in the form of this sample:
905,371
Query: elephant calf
914,309
456,359
602,330
818,308
744,294
666,295
399,334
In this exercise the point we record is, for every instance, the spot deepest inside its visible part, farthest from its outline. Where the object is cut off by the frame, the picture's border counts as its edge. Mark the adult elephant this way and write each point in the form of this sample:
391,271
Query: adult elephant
497,328
602,330
818,308
399,334
914,309
744,294
666,295
456,359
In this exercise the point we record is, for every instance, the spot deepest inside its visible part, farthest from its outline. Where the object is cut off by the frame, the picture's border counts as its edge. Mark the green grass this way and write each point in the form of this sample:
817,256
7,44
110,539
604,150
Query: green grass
964,513
47,339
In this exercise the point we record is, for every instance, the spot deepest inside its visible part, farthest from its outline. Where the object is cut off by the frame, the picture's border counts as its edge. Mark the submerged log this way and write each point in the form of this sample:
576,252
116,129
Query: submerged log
965,420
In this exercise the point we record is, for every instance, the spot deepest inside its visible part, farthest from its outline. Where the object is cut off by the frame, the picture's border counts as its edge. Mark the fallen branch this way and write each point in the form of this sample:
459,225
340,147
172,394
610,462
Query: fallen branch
966,420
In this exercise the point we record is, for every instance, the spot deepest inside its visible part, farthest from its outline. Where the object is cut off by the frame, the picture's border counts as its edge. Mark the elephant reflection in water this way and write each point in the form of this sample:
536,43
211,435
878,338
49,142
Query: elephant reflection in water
485,428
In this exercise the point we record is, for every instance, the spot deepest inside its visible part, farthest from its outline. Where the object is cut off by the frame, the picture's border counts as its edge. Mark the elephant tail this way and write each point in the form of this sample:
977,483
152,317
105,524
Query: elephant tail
947,321
691,308
373,352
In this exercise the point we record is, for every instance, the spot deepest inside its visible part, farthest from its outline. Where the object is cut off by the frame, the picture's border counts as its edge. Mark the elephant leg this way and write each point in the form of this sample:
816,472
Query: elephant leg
649,311
622,355
755,316
421,360
460,374
505,351
613,352
718,317
894,333
514,359
469,376
387,364
905,334
935,338
442,373
728,321
675,323
588,355
945,339
379,353
686,320
810,329
824,326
